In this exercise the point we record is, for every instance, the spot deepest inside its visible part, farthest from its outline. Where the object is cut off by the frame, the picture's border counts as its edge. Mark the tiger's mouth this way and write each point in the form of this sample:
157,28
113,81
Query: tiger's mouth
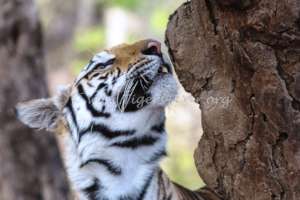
137,87
147,71
149,74
164,69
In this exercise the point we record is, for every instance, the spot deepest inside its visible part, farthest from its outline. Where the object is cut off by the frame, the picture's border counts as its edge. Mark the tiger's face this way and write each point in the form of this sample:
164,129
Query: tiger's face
124,76
123,79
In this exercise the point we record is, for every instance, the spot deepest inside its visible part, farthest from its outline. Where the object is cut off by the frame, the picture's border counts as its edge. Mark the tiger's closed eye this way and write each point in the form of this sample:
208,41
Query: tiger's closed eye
99,63
105,65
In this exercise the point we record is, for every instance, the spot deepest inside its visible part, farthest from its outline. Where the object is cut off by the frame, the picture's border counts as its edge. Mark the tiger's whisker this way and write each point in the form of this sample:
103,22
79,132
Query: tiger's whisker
146,81
124,99
143,87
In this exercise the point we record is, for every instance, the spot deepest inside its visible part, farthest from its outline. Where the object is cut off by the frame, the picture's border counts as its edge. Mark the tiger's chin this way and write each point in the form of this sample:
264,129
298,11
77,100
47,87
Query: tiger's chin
161,92
164,90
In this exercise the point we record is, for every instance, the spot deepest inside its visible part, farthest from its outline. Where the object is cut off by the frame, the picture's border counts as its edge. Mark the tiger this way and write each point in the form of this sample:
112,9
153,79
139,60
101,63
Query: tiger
112,121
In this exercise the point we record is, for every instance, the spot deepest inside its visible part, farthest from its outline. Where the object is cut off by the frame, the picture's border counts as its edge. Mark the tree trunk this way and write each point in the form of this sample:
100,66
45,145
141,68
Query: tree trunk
31,168
241,61
59,22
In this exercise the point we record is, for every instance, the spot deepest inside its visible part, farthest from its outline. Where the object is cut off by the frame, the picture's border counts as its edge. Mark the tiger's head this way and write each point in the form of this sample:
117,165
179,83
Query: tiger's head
126,79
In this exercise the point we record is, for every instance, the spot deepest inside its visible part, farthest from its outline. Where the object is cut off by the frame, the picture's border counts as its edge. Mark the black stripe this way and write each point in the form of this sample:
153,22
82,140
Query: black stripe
156,156
69,105
115,78
97,65
94,75
114,170
131,66
109,62
187,193
145,187
103,77
89,106
104,131
118,72
158,128
99,87
107,91
85,70
126,198
91,191
89,65
142,193
136,142
100,64
103,108
89,84
161,185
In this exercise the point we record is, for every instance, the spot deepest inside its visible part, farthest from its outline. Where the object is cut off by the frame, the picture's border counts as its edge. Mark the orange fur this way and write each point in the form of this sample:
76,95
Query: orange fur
128,54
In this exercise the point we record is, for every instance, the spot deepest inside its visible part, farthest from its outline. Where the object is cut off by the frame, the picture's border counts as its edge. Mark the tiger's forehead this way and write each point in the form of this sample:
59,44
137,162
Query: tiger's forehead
128,53
124,50
123,55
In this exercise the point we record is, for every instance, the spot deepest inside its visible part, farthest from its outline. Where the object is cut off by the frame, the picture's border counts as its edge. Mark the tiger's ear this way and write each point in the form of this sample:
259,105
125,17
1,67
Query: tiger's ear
43,113
39,113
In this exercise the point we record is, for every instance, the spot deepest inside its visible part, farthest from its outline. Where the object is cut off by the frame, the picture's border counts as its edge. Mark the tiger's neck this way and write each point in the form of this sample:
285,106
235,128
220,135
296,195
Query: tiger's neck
118,158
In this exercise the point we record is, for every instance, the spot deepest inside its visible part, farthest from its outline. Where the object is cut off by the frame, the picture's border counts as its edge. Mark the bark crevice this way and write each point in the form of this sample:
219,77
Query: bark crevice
212,16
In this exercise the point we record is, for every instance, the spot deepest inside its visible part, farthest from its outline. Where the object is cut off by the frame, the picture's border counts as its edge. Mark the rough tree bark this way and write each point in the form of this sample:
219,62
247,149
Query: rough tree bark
241,61
31,168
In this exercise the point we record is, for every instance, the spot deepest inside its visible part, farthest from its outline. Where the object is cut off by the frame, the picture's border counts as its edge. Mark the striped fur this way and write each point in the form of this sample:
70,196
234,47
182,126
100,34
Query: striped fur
114,140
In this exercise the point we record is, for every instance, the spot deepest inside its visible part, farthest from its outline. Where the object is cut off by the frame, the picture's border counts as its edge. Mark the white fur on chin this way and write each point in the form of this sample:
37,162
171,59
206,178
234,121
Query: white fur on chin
164,90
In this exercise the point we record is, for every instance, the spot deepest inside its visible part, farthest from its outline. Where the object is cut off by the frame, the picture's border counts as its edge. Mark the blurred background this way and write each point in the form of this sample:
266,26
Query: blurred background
75,30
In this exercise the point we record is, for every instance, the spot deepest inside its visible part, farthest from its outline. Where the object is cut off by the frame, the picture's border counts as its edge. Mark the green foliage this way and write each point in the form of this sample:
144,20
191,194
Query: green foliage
129,4
181,168
89,40
126,4
159,20
86,43
78,65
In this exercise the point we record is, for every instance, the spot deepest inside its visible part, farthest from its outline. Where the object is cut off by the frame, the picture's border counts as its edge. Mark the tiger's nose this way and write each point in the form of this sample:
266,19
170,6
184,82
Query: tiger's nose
153,48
